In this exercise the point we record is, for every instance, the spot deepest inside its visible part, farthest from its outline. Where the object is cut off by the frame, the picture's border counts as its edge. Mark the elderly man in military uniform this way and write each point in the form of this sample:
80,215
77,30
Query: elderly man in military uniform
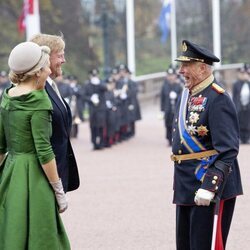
204,154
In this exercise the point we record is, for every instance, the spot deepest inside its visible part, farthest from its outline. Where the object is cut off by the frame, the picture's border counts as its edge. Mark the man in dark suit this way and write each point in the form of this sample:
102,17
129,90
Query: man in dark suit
61,115
204,153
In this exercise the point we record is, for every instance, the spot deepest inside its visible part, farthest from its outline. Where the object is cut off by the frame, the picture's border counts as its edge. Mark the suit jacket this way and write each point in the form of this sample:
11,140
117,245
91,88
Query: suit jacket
210,117
60,140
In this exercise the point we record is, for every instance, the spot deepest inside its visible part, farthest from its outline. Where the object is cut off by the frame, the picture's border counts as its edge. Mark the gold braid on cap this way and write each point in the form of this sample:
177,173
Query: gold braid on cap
186,58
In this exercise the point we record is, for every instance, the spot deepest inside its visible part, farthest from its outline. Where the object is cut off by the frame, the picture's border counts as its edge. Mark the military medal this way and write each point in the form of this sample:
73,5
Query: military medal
194,117
191,129
197,103
202,130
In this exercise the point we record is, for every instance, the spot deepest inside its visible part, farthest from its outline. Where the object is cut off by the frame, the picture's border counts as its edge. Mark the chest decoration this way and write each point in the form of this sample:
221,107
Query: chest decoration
197,104
194,117
192,130
202,130
187,130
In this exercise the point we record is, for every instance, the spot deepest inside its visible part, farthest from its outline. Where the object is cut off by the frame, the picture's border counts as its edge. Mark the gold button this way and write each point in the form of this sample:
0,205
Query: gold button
179,152
216,188
213,182
179,162
215,177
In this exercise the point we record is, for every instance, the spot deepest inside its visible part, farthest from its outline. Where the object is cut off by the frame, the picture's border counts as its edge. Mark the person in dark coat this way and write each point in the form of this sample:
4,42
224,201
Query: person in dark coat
122,88
61,115
241,98
75,101
95,96
134,109
111,113
204,153
170,93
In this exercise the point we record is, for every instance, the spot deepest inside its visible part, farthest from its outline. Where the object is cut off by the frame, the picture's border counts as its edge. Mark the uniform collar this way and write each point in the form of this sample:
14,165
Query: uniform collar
201,86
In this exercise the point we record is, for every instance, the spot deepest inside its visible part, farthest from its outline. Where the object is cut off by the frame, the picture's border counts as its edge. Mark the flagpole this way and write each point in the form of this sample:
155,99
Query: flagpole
216,29
32,19
130,35
173,33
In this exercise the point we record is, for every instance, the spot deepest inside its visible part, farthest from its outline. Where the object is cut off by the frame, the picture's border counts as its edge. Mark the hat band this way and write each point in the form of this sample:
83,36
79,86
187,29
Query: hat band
187,58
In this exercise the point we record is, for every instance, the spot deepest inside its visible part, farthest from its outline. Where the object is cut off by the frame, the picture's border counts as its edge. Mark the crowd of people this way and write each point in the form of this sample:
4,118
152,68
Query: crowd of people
111,105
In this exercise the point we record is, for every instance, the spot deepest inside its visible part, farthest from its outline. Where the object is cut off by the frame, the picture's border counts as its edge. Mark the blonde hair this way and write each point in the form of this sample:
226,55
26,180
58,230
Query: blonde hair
54,42
21,77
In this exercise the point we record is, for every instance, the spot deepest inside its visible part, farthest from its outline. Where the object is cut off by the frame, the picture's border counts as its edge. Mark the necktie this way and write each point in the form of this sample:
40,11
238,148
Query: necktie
54,86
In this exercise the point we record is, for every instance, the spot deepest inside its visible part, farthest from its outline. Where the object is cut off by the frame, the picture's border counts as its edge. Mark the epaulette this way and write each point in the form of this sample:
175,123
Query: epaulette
218,88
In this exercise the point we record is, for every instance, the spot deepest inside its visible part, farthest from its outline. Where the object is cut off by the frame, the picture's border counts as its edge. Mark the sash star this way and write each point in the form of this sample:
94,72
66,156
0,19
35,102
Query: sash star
194,117
192,129
202,130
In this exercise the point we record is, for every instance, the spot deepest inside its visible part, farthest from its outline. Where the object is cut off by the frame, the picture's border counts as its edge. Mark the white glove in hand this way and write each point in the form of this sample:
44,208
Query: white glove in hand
60,195
123,95
95,99
108,104
203,197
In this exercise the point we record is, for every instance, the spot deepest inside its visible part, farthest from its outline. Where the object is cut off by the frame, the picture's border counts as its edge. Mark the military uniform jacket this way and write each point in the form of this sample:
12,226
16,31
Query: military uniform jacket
209,118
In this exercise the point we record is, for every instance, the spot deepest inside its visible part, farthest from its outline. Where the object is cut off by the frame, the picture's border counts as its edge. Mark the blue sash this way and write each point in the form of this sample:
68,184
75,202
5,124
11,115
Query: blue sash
191,143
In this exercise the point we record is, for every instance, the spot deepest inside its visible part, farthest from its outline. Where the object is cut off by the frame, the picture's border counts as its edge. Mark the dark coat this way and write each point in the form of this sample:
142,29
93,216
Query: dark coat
111,113
133,104
97,113
212,120
60,140
243,110
168,104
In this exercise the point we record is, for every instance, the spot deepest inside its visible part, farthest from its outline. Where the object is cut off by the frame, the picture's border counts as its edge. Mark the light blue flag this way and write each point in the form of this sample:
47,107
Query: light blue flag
164,20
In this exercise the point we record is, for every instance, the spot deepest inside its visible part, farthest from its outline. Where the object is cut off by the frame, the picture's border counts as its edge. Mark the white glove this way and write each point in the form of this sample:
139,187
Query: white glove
95,99
161,115
60,195
123,95
131,107
203,197
108,104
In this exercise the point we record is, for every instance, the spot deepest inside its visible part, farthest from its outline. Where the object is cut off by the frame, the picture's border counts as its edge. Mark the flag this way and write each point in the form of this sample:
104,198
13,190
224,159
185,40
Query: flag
29,19
164,20
26,9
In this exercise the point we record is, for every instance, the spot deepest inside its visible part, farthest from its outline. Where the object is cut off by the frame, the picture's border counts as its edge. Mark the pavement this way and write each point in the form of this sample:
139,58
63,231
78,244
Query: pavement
125,198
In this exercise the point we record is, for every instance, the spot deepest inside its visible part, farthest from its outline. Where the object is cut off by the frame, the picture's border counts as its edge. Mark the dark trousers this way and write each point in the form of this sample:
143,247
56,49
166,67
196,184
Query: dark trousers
97,137
169,134
194,225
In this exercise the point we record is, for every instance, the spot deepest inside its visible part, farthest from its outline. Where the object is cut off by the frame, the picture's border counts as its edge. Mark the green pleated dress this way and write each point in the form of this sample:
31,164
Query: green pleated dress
29,218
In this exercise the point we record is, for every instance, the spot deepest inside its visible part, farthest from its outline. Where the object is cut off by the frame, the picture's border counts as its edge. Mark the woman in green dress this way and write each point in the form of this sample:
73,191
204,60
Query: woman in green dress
31,193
